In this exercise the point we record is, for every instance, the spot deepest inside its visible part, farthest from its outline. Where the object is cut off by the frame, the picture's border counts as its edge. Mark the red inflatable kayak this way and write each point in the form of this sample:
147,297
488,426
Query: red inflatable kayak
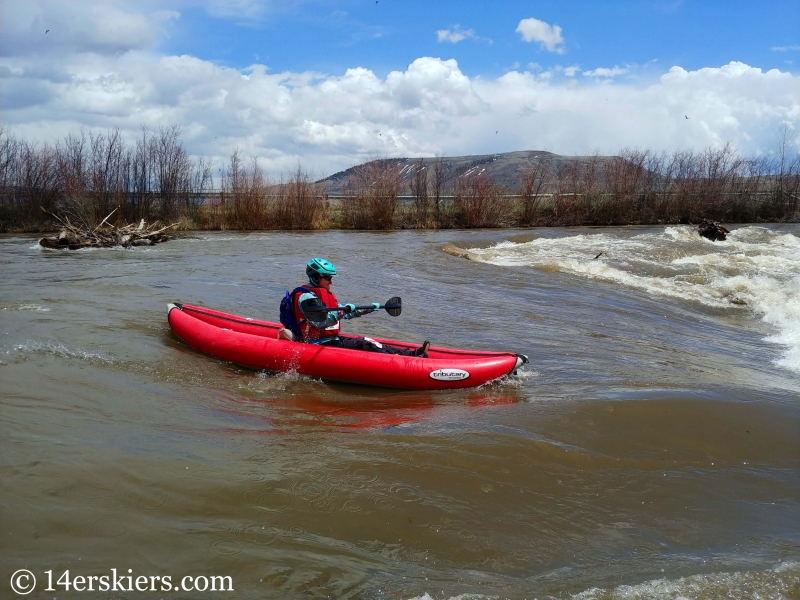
255,344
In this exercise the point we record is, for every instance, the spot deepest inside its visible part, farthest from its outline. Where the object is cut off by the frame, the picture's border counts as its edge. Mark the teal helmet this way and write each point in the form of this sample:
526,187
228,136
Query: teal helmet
317,267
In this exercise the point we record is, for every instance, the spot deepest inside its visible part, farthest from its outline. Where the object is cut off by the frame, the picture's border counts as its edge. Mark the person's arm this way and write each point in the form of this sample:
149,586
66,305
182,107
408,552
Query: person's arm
354,314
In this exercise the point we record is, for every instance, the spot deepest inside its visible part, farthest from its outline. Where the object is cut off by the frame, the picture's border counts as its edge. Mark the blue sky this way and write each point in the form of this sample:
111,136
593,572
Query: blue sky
330,84
332,36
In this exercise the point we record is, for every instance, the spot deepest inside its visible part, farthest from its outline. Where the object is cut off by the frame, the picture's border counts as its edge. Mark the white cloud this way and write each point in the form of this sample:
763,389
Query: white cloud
548,36
785,48
605,72
332,121
247,10
250,13
454,35
59,28
569,71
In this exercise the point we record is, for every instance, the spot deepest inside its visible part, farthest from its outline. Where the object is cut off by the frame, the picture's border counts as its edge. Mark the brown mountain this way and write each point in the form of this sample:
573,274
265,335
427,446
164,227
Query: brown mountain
506,168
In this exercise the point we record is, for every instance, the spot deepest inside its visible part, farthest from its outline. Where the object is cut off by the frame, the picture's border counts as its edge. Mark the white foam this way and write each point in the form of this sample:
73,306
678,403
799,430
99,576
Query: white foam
427,596
777,583
28,307
269,381
513,380
756,269
59,349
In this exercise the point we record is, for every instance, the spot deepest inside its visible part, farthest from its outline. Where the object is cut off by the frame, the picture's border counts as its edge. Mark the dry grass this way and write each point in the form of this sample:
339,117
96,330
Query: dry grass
370,200
481,202
300,203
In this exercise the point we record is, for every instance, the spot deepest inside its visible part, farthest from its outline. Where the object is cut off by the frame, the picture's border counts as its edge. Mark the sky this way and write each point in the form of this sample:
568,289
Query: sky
329,84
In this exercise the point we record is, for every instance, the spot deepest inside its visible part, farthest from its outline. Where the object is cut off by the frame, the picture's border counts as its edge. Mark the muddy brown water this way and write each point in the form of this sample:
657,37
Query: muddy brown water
651,448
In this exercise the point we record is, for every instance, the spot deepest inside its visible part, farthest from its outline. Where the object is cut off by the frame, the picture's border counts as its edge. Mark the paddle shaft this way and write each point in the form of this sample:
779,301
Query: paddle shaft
346,309
393,306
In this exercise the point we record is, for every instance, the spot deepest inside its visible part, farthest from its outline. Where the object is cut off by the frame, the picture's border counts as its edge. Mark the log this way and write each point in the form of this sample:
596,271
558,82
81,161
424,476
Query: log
457,252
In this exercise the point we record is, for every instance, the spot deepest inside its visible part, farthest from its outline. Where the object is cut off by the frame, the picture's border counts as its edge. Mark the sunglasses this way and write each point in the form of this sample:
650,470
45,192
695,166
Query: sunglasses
328,277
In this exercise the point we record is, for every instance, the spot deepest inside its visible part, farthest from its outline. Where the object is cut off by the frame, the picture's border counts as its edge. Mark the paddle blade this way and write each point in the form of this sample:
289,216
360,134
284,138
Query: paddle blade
316,312
393,306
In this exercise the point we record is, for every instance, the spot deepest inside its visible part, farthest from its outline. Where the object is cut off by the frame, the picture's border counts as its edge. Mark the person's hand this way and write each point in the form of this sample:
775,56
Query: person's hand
376,305
348,308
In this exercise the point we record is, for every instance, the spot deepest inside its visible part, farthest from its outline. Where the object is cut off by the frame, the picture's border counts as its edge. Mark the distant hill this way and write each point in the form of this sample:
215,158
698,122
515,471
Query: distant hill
505,168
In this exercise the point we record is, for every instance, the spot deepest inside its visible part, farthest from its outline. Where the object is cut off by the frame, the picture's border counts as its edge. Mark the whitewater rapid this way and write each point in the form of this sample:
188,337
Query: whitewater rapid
755,272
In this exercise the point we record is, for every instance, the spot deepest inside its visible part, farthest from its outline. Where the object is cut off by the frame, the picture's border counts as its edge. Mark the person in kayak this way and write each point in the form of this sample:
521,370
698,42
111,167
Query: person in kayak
314,327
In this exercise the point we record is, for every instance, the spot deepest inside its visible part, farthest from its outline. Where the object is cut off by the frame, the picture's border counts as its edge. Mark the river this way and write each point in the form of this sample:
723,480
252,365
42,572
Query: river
650,449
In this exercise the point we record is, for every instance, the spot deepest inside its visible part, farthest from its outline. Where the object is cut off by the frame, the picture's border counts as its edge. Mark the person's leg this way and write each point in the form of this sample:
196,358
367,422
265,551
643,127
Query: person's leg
370,345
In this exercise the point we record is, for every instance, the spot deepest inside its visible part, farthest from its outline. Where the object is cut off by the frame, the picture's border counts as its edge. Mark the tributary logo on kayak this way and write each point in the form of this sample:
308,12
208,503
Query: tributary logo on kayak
449,374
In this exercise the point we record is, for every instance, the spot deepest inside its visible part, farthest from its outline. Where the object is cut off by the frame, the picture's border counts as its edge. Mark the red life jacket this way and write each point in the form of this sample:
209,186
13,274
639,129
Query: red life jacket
307,329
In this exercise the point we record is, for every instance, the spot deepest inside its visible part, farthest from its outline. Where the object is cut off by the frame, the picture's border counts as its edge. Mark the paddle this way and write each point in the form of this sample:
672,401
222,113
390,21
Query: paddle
393,306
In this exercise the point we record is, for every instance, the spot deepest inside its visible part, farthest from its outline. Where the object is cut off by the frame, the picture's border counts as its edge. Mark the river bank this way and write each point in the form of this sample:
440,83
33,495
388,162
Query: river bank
156,180
186,224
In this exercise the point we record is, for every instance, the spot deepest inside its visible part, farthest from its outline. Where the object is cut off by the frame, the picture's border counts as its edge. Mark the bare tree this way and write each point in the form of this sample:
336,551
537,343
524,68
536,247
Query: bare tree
480,201
787,172
86,176
442,173
106,171
419,189
372,191
300,203
566,208
245,189
589,189
532,186
9,157
171,168
625,181
9,177
37,181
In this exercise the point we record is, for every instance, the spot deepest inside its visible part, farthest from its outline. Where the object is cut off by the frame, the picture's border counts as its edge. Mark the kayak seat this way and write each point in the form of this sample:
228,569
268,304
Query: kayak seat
285,334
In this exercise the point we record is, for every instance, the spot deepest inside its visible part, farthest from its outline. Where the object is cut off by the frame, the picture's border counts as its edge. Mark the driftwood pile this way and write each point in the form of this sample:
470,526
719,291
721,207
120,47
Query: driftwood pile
713,231
105,235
